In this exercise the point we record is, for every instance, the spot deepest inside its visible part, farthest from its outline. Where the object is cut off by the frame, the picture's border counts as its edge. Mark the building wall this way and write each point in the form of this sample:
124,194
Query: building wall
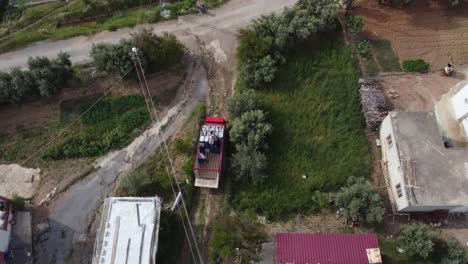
392,165
460,107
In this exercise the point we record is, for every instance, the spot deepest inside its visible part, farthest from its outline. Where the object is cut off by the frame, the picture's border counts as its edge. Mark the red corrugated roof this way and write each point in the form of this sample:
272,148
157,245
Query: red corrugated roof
324,248
216,120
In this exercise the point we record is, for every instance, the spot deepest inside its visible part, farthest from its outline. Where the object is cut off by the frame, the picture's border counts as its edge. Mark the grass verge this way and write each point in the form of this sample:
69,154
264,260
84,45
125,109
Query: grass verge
318,131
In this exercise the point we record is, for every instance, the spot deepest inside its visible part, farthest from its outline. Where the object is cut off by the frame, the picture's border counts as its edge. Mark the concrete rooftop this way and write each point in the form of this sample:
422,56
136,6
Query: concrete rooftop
439,174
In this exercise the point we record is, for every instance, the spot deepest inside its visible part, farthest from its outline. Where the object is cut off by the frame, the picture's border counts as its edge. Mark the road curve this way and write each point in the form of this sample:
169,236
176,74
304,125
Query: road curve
228,18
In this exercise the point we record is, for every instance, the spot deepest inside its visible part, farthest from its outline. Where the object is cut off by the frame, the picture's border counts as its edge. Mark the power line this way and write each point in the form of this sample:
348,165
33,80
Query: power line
152,111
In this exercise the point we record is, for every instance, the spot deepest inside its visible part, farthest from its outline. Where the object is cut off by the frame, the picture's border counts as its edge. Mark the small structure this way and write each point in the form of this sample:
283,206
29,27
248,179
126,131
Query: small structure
209,159
5,227
128,232
297,248
425,156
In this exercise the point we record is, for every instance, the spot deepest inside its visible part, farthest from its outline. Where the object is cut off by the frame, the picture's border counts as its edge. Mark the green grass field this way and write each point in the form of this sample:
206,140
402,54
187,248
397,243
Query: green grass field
318,130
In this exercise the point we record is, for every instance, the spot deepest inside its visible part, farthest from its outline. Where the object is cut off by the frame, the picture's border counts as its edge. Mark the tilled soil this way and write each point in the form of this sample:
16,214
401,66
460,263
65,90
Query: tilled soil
430,30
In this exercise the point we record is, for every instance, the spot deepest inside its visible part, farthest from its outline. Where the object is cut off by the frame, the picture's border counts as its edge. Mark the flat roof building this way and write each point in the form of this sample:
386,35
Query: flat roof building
425,157
129,231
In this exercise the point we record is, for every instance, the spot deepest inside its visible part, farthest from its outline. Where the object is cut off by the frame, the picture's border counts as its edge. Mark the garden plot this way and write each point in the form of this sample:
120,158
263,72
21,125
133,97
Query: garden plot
431,30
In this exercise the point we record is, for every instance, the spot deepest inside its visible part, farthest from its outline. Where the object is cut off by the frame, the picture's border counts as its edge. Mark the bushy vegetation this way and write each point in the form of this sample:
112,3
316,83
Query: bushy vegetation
235,237
313,106
107,125
18,202
156,53
43,78
244,102
456,253
354,24
263,46
417,240
363,49
249,132
415,66
360,201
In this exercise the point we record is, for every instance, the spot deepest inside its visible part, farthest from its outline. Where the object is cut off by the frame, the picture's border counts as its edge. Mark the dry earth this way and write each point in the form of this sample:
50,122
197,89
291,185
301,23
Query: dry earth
431,30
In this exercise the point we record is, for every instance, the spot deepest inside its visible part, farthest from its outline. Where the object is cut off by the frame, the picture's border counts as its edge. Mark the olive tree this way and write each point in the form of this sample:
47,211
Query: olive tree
360,201
417,240
115,59
249,164
251,129
243,102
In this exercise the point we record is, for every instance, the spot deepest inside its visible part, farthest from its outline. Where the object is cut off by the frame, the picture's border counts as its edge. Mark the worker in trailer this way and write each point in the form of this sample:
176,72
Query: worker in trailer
201,157
449,69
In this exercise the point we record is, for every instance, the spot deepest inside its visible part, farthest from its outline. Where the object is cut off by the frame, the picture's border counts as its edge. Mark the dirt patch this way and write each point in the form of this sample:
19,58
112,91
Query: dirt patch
431,30
325,222
18,180
417,92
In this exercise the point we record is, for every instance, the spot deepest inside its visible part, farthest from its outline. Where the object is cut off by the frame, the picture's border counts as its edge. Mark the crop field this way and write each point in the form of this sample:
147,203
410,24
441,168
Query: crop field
318,130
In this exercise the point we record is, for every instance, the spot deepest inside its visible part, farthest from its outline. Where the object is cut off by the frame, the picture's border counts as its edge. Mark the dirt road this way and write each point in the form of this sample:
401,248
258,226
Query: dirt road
228,19
213,36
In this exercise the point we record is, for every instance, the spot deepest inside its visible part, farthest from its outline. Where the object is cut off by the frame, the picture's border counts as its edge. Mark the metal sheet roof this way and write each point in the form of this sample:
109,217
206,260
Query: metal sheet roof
297,248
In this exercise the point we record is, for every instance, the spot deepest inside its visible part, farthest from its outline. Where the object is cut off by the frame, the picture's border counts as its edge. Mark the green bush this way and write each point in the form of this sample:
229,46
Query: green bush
362,47
43,78
115,59
417,240
360,201
161,51
18,202
415,66
138,183
243,102
354,24
456,253
133,119
249,164
251,129
235,237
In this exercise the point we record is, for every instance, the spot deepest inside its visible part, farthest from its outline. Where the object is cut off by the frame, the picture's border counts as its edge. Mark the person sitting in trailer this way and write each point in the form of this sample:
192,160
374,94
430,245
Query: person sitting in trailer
201,157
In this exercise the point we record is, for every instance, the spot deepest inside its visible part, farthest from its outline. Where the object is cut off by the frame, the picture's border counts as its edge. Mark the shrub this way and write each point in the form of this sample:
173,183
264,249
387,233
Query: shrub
354,24
235,236
456,254
251,129
360,201
362,47
243,102
249,164
138,183
161,51
416,240
415,66
18,202
252,45
115,59
319,200
133,119
259,72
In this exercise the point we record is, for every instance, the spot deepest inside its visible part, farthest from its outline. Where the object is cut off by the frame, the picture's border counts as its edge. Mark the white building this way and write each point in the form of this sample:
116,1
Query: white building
128,232
425,156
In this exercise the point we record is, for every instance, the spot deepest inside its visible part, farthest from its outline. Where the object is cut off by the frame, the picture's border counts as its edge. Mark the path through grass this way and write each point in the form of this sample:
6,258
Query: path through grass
318,130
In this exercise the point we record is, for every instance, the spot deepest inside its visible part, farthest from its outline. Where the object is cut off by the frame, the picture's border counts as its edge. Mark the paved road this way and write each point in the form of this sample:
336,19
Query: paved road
228,18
